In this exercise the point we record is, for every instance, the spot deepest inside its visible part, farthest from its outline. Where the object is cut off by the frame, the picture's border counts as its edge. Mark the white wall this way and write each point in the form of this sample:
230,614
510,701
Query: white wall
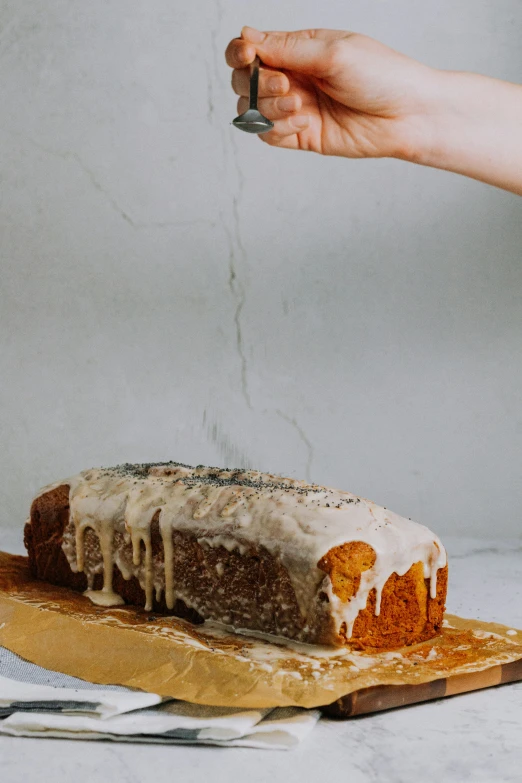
173,289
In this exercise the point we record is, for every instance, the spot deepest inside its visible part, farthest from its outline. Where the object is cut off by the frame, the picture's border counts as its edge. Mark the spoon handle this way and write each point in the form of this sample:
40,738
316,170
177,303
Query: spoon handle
254,82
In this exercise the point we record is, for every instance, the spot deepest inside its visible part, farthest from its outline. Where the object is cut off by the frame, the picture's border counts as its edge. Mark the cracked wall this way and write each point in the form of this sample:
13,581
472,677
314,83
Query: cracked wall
173,289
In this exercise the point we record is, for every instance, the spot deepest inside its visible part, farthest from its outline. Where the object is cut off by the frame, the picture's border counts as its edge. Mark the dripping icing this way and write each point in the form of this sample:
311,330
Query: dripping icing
295,521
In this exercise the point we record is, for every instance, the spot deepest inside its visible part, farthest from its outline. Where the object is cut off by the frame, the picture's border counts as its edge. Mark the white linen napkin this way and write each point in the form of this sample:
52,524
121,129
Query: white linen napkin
36,702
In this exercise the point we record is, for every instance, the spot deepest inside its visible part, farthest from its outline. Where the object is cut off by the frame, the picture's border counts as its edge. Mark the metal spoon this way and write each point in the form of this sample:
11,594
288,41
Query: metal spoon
252,121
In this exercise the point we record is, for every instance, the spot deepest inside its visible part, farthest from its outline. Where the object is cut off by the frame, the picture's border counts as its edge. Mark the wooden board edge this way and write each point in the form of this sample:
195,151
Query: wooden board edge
387,697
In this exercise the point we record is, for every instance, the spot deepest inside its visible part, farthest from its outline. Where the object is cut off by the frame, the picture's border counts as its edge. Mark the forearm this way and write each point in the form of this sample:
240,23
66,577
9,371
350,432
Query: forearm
475,129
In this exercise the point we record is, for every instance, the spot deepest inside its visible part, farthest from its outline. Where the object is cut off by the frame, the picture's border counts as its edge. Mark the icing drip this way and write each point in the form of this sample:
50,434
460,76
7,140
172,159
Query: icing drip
138,537
295,521
106,596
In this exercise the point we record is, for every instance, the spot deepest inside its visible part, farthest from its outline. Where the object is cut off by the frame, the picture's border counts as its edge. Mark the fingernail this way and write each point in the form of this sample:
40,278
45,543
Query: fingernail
253,35
300,121
287,104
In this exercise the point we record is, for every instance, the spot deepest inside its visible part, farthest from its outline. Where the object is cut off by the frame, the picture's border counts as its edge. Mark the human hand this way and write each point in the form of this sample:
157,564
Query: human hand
336,93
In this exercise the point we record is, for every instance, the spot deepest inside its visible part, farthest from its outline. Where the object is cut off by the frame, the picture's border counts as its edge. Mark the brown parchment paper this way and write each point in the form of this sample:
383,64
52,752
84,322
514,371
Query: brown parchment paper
61,630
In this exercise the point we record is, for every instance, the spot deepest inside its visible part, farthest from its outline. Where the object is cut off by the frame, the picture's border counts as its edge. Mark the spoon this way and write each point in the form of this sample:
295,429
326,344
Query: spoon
252,121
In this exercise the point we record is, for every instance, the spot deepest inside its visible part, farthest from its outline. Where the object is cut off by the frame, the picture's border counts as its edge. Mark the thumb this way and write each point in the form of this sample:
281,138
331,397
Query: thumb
298,51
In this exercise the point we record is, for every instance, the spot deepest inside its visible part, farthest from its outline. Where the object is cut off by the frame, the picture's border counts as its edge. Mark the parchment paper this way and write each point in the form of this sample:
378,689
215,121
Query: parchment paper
61,630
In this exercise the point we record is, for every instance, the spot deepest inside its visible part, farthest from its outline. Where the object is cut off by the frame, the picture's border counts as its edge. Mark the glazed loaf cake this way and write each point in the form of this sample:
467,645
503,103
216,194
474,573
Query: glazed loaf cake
243,548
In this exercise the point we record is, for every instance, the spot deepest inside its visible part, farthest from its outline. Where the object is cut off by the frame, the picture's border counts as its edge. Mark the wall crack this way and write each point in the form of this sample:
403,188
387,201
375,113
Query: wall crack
237,256
67,155
304,438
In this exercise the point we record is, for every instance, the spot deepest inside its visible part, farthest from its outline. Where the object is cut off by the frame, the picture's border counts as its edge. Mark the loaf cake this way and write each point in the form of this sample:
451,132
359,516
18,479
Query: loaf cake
242,548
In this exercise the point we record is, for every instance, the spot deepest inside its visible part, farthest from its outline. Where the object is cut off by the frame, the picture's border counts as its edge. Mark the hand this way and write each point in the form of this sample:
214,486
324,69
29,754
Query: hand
340,93
334,92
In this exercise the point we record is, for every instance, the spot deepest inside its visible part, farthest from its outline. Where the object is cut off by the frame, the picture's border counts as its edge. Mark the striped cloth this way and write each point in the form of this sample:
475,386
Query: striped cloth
36,702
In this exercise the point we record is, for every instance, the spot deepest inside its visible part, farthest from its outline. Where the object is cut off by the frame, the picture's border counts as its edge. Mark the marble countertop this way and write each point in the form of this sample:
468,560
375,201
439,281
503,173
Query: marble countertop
474,737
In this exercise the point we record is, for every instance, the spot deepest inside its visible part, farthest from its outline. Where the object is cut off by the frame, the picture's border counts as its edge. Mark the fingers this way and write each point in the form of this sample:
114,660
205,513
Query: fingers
240,53
275,102
274,108
307,51
270,82
285,132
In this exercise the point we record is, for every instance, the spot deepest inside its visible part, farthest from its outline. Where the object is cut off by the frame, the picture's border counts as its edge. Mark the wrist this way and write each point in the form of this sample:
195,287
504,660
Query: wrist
452,120
471,125
423,134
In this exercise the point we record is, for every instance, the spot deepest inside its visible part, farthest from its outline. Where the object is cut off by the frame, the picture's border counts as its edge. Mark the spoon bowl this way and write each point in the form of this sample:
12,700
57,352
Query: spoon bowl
252,121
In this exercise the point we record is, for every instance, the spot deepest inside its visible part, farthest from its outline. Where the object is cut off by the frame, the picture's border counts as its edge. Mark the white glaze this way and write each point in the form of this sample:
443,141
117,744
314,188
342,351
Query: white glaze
295,521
